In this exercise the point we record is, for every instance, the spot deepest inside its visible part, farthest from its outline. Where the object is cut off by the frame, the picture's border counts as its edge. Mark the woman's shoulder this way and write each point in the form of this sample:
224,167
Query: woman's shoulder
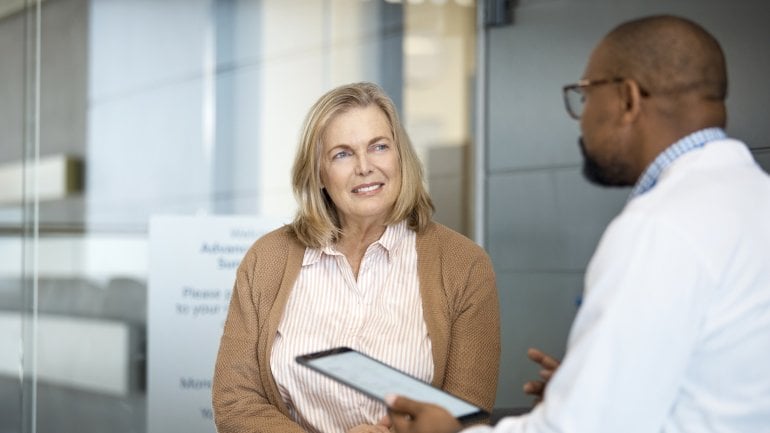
280,235
438,237
275,244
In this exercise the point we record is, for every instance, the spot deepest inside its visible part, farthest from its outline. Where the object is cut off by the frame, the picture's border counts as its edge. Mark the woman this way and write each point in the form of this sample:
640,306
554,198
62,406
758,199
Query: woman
363,266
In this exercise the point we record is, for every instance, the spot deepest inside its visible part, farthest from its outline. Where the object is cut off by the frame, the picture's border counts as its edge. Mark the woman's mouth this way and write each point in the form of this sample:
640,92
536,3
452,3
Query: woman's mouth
362,189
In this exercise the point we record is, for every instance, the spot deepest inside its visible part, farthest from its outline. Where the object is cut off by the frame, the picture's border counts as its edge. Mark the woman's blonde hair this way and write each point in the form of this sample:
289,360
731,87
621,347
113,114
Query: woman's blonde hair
317,222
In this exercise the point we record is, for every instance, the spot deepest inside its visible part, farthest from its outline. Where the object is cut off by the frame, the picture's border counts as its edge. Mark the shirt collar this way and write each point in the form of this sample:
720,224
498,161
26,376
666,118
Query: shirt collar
693,141
390,240
394,234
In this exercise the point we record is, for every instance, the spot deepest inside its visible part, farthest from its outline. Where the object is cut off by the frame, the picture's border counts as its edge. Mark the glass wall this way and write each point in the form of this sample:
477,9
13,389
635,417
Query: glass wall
19,89
119,113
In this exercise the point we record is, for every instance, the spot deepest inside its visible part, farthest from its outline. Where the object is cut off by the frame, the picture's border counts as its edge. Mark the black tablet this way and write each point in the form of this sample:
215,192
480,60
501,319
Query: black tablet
376,379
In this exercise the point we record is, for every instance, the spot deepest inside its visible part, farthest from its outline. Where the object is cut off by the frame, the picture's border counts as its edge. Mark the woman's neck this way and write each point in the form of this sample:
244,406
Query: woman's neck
355,240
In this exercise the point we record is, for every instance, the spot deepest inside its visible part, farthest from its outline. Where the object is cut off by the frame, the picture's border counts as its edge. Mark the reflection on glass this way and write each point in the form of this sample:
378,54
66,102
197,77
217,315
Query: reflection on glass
175,108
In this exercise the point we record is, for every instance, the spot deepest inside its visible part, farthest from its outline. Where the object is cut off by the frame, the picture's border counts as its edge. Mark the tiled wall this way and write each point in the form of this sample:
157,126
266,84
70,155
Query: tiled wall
543,219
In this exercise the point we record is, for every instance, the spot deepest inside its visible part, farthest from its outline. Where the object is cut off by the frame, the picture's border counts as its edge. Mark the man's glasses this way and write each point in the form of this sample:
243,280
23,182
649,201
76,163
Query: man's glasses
574,94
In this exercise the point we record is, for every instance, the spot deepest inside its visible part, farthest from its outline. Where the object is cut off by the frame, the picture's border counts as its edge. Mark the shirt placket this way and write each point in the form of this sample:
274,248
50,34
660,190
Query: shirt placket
366,285
368,277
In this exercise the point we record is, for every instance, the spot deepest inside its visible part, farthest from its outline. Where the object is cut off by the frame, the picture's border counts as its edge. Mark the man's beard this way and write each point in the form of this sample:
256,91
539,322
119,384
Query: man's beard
613,174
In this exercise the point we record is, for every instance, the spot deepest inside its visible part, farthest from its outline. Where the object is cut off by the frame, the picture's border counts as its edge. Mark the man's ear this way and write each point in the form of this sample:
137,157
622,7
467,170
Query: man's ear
631,100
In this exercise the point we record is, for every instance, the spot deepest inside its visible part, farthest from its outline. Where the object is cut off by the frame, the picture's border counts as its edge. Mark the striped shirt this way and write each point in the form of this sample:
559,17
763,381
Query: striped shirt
696,140
379,314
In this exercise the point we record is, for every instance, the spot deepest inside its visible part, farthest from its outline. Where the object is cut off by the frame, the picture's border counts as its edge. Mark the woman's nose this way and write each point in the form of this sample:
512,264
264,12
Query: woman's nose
363,168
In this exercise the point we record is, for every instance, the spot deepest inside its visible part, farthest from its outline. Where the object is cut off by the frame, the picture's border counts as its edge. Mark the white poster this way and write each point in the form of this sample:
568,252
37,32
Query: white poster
192,268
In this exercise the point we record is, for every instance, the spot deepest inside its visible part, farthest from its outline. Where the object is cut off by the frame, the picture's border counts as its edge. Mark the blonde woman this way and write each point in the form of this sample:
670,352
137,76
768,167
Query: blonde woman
363,266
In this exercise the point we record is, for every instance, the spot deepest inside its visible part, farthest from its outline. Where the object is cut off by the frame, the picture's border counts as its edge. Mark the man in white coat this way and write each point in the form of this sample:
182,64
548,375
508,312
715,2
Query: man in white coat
673,334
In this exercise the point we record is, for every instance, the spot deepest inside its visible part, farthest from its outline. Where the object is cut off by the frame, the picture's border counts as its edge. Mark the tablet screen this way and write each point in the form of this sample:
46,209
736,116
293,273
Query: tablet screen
377,379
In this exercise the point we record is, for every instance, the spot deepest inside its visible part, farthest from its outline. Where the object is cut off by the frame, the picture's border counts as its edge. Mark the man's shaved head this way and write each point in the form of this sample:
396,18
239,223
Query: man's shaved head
668,55
668,79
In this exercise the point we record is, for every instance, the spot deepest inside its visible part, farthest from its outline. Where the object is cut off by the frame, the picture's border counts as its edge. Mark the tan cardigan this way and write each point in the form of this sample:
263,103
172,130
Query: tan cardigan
460,307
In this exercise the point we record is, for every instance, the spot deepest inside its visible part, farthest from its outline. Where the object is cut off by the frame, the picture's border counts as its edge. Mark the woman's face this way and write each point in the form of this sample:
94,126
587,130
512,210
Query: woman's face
360,166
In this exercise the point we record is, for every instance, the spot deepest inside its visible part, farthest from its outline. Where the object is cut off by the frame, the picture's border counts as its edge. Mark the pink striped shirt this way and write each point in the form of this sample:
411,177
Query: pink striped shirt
379,314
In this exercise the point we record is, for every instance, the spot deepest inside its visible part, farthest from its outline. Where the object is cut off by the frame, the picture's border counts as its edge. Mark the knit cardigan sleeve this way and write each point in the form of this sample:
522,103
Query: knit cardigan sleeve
244,395
460,306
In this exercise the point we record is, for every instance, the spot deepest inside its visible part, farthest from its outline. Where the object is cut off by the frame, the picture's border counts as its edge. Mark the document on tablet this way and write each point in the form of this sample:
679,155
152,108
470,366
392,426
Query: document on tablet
377,379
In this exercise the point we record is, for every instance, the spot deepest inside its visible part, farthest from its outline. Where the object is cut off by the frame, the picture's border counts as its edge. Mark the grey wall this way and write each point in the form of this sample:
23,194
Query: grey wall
63,99
62,81
12,45
542,219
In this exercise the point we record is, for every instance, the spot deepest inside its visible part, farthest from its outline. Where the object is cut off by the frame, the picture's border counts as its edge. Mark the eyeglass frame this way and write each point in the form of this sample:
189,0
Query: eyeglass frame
585,83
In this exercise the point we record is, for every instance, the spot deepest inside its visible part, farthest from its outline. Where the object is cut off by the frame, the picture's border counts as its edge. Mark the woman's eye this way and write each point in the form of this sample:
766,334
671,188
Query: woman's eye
380,147
341,154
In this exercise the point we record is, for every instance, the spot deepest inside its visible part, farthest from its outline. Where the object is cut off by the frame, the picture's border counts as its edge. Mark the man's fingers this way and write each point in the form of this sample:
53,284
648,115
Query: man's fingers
400,422
536,355
401,404
384,421
400,411
542,358
549,362
366,428
534,387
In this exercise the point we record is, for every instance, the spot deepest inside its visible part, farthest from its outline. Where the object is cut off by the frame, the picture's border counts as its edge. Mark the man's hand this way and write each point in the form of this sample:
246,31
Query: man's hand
369,428
549,365
409,416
